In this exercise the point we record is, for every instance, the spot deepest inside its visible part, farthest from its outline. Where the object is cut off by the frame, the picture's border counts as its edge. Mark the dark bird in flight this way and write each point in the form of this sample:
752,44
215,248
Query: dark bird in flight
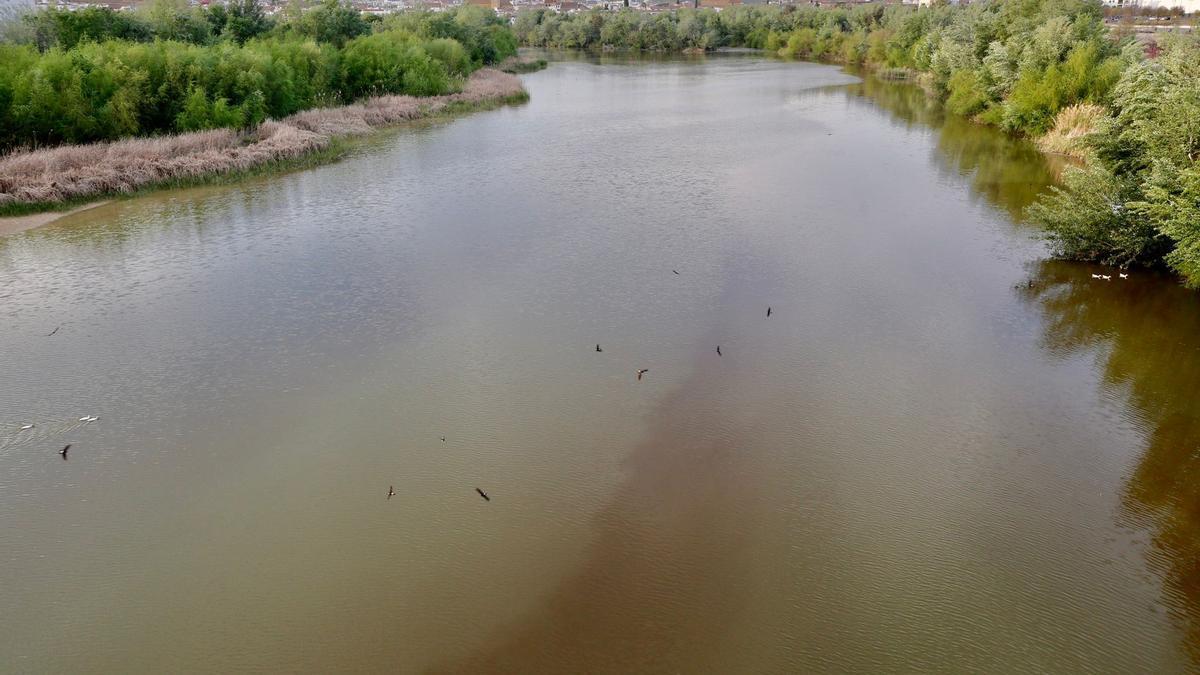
483,494
642,372
675,271
63,452
768,311
391,491
54,331
598,348
718,350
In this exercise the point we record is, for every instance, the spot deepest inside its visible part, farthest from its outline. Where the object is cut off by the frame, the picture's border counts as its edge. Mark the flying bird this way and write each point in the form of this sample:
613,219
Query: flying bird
598,348
63,452
27,427
768,311
718,350
642,372
443,439
675,271
483,494
391,488
54,331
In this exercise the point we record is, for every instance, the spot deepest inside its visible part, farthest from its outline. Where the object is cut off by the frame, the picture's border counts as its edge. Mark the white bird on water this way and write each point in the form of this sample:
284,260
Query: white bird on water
88,419
1123,275
1096,276
27,427
1106,277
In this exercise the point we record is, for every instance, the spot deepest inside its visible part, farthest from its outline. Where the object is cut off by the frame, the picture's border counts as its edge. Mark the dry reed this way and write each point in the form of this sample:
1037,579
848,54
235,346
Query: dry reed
73,172
1072,126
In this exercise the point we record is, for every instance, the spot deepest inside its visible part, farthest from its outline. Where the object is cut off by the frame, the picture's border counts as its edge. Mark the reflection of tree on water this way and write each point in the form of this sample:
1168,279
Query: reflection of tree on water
1149,334
1007,171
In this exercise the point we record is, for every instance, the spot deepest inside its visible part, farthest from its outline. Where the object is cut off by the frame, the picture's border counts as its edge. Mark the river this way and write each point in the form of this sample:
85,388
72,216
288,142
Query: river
941,452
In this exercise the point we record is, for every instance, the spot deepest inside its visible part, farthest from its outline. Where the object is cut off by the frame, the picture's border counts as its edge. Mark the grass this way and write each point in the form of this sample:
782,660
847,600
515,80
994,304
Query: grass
1071,128
522,64
64,177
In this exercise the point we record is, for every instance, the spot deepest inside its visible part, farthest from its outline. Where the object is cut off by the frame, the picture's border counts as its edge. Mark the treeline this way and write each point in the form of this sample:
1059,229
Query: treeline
1042,68
96,74
1013,63
668,31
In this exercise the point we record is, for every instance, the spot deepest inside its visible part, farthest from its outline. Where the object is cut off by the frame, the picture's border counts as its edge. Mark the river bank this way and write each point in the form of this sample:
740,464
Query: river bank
50,180
851,485
15,224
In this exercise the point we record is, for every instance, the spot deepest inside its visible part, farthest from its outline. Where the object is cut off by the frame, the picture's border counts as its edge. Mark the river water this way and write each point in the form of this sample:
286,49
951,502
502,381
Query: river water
918,462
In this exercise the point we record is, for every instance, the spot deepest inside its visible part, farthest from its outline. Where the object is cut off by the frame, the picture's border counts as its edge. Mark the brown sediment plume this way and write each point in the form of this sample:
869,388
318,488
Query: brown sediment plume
74,172
668,544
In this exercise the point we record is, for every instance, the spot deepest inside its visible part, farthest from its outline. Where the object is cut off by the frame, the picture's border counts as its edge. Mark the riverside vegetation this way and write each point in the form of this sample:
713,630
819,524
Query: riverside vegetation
1047,69
221,89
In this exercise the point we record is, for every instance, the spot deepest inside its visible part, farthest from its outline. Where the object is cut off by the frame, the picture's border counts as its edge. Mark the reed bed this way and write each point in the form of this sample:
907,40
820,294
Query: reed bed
523,64
75,172
1072,126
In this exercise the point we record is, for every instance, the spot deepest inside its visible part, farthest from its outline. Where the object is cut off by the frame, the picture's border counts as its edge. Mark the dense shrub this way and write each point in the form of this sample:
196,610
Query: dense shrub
65,29
331,21
485,36
1139,200
391,62
1015,64
103,88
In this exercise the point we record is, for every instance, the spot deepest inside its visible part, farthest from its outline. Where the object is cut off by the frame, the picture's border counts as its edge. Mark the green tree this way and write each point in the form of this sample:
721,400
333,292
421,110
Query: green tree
246,20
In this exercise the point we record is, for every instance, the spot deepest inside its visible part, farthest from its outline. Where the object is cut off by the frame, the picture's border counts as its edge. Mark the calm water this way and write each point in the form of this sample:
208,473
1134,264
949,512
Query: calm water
916,463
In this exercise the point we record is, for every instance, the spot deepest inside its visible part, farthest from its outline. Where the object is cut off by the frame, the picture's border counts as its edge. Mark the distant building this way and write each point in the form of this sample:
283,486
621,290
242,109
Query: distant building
1189,6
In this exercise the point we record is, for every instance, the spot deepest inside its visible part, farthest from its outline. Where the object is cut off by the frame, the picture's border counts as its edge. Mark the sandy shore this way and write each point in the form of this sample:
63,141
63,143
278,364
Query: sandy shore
14,224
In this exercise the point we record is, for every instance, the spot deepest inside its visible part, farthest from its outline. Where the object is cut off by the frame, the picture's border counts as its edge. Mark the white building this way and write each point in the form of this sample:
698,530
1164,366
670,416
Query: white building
1189,6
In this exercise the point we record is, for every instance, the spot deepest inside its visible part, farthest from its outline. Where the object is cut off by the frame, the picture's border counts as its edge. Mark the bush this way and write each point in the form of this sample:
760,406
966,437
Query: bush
331,21
1144,171
199,113
451,54
968,95
1088,219
391,62
106,90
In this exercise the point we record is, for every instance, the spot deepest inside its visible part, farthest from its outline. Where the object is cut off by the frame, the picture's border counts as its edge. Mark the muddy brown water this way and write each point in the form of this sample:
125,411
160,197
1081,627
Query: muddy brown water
917,463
